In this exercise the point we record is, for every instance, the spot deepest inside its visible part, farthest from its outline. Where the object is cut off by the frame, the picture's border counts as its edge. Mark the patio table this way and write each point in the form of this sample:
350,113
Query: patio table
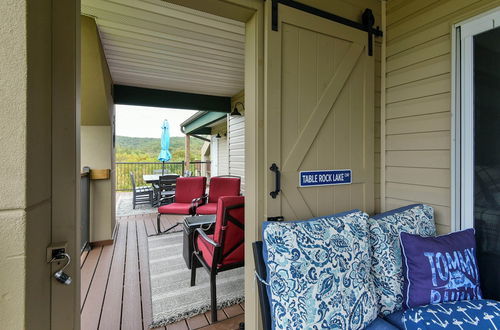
151,178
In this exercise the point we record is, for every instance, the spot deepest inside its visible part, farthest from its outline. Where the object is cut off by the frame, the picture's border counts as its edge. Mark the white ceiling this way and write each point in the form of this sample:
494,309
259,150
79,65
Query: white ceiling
156,44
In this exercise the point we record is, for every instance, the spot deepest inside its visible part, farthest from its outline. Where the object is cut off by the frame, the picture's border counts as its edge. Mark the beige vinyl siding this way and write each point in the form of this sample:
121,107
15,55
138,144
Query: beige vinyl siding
418,101
236,141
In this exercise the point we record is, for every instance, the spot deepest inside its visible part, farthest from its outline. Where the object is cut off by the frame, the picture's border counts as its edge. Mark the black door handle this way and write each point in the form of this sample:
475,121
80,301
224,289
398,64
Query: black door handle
277,181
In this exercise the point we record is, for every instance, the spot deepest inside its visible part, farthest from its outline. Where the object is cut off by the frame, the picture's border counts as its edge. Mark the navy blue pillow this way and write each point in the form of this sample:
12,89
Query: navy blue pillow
439,269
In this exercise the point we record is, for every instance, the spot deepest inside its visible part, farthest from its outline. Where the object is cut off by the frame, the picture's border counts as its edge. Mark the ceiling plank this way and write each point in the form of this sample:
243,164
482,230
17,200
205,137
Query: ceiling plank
159,45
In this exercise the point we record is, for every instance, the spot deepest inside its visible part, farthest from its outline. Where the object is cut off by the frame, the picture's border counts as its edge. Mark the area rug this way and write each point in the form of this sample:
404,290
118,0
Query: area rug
172,297
124,207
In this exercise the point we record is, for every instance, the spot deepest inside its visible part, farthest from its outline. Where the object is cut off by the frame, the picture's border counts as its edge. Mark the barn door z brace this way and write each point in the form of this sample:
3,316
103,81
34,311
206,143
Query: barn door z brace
367,19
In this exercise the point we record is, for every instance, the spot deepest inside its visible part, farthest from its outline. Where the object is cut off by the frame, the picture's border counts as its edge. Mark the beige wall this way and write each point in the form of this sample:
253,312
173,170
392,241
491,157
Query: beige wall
25,170
29,195
96,153
97,106
13,106
97,119
236,140
418,106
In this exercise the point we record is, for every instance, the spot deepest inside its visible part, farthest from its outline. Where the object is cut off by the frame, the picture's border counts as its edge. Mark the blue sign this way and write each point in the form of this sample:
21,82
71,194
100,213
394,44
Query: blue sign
325,178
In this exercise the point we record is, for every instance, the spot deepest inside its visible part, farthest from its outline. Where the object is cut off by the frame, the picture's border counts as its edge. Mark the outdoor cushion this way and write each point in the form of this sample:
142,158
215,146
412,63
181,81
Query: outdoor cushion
318,272
207,251
386,253
175,208
209,208
396,319
381,324
439,269
467,314
187,189
223,186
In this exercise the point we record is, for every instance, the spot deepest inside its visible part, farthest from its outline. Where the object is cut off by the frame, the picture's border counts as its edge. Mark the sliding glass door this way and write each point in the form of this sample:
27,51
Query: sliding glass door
480,143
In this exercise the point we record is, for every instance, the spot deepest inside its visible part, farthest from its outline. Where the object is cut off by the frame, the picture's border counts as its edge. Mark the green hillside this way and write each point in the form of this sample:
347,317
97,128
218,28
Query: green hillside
134,149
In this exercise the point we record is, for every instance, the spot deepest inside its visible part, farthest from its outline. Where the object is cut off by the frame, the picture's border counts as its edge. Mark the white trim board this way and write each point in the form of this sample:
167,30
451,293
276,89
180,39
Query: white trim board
462,167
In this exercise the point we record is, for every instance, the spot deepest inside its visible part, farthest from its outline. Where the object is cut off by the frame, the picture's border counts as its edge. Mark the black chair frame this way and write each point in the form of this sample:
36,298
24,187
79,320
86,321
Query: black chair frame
192,212
164,188
141,195
261,274
217,257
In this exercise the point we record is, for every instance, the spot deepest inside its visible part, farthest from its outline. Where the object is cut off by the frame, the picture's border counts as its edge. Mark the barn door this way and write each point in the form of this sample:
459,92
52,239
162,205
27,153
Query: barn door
319,114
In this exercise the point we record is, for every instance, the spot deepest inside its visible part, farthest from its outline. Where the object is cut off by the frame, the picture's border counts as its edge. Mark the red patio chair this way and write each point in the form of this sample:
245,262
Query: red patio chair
224,250
188,192
219,186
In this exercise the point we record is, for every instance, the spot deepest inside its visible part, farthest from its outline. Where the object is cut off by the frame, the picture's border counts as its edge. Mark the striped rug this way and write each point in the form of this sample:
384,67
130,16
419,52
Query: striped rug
173,298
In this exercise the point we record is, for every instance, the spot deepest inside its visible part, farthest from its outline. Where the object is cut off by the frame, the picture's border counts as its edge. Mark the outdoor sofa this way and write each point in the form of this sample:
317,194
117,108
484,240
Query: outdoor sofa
390,271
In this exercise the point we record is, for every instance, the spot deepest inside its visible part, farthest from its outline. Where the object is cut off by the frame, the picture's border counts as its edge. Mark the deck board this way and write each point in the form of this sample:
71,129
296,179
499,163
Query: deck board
112,307
233,311
93,304
87,271
197,321
132,310
181,325
229,324
115,280
220,316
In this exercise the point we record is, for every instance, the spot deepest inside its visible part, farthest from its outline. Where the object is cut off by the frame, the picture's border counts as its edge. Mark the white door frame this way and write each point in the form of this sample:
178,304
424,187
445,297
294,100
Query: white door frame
463,115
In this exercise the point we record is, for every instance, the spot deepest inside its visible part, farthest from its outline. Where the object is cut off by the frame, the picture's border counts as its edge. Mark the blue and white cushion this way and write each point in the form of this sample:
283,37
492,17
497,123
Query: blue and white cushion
318,272
387,265
466,314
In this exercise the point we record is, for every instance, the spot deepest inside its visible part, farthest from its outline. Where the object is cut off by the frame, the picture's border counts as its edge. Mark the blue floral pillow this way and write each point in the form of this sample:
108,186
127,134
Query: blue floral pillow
318,272
387,264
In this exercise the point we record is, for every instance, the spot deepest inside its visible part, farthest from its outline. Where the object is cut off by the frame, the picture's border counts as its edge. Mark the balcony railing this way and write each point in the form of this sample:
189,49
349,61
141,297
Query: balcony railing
196,168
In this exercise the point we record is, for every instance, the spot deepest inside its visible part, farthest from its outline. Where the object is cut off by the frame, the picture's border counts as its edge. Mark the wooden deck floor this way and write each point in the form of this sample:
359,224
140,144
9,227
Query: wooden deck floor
115,291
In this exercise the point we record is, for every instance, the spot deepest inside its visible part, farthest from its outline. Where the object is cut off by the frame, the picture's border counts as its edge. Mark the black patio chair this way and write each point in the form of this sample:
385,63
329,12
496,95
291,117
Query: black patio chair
141,195
165,188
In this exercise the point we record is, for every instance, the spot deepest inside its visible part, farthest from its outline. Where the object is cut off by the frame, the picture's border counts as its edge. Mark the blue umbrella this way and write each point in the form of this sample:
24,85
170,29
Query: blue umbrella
165,143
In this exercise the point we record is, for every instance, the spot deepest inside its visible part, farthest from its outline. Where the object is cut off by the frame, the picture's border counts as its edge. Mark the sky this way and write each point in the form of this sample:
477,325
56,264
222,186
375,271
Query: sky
138,121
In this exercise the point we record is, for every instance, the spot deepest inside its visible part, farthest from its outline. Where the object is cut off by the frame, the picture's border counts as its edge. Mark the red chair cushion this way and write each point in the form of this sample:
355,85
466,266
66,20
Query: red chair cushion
175,208
220,186
187,189
233,242
207,252
233,233
209,208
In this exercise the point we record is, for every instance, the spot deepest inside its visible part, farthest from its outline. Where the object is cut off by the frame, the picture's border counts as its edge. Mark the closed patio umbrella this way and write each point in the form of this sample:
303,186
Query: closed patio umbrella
165,143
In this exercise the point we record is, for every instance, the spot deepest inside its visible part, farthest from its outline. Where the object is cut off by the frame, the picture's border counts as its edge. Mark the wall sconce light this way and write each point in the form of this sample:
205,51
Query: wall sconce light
218,136
235,110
